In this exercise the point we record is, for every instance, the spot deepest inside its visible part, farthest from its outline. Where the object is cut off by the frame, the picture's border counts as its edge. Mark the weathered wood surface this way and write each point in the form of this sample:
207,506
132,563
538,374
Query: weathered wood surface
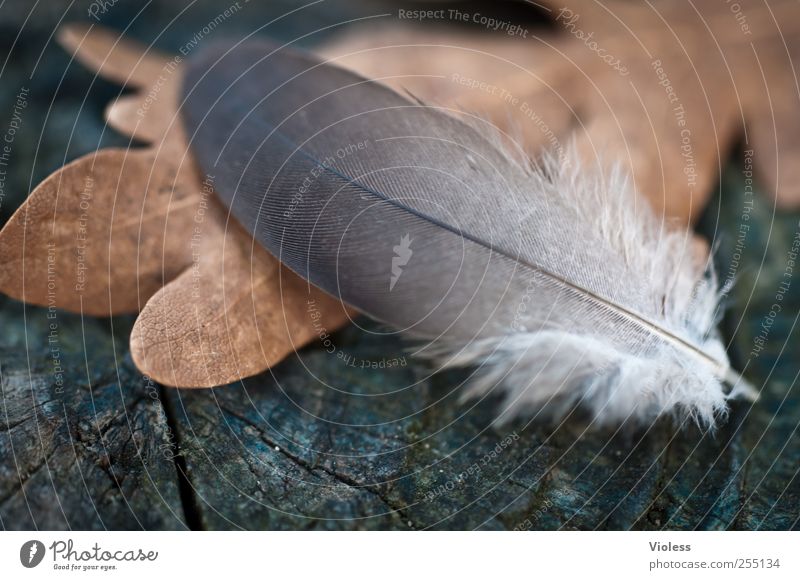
83,438
318,444
365,448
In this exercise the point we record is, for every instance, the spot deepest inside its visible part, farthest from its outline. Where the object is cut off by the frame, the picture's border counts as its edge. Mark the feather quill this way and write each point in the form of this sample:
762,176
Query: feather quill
560,287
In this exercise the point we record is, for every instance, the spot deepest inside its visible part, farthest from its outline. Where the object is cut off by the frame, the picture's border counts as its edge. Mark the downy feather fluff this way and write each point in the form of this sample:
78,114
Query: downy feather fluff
560,287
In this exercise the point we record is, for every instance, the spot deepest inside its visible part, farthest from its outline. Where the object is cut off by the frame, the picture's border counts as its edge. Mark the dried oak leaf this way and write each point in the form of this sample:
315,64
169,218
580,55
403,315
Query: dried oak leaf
102,234
665,88
118,227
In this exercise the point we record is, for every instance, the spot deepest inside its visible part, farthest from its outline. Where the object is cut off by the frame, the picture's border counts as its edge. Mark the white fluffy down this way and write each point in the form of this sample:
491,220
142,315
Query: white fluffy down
554,370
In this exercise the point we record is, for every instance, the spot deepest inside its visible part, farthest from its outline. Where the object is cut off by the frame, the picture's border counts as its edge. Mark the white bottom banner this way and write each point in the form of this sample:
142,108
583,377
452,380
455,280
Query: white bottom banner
400,555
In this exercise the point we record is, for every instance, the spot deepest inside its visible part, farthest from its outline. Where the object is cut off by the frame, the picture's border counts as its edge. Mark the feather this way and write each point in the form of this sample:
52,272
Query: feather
560,287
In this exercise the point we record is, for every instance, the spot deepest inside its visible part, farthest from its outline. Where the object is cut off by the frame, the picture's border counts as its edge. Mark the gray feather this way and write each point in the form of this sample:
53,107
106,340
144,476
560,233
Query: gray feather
561,287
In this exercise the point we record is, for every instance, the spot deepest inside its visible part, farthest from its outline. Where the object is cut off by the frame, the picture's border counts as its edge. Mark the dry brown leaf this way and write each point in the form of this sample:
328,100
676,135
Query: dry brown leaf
233,314
105,232
111,229
235,311
150,113
111,55
723,74
102,234
465,71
